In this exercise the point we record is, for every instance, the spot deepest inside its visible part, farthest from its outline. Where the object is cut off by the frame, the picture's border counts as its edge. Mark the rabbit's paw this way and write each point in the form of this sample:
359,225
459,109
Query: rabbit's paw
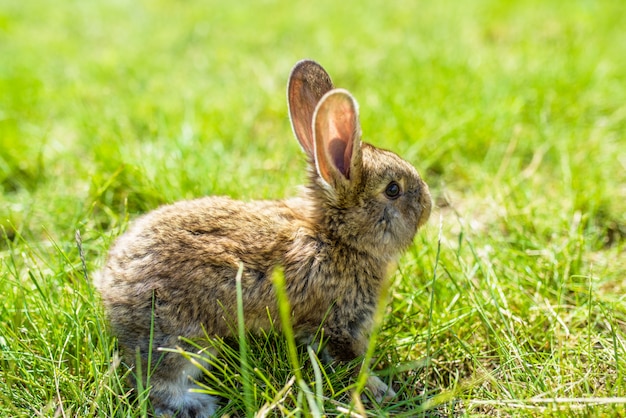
379,390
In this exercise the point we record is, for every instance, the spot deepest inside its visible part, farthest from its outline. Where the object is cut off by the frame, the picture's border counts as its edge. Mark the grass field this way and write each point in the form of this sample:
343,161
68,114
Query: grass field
512,300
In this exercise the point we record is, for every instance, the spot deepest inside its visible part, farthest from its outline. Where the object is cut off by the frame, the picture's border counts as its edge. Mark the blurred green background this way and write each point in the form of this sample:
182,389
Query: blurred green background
513,112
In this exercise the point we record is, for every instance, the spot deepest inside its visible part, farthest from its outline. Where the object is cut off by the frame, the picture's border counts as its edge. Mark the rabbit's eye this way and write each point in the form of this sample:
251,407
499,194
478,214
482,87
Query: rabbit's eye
393,190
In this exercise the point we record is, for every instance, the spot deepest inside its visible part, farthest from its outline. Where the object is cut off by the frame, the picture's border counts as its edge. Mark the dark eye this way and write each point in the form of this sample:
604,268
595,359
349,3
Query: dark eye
393,190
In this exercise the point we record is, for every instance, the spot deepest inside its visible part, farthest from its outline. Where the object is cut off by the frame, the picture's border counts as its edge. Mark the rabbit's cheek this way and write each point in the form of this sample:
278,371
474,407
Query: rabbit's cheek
424,205
416,209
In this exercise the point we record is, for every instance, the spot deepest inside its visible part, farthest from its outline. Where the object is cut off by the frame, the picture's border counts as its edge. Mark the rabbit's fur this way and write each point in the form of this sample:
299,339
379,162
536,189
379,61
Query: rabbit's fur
174,270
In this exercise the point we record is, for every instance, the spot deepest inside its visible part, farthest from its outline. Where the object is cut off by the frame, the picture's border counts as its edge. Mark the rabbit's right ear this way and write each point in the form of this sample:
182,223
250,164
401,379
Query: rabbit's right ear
308,83
337,133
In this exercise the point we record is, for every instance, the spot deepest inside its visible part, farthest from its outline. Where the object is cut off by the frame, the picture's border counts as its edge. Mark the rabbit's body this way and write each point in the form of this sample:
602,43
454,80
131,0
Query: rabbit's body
178,251
173,273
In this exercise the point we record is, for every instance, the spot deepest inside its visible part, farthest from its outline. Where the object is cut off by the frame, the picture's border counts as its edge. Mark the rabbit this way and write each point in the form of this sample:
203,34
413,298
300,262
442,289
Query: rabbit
173,273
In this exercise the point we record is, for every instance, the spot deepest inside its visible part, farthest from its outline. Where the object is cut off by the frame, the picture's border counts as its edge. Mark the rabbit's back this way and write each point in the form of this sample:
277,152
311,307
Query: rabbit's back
181,260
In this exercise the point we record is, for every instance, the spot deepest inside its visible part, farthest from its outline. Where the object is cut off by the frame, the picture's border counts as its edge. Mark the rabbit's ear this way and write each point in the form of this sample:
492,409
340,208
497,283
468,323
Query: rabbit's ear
308,82
337,138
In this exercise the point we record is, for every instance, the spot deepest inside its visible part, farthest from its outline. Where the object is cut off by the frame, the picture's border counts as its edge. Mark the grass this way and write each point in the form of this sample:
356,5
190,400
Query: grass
510,302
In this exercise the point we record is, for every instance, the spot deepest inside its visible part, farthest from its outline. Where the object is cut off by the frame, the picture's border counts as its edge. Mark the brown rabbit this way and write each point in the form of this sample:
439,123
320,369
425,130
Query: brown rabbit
176,266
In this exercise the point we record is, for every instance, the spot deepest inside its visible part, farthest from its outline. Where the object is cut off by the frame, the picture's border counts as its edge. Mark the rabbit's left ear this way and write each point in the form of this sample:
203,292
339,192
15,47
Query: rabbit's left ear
308,82
337,134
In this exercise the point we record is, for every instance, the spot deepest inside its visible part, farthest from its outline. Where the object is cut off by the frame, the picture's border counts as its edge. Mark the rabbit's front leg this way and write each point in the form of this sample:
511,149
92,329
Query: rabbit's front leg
343,346
379,389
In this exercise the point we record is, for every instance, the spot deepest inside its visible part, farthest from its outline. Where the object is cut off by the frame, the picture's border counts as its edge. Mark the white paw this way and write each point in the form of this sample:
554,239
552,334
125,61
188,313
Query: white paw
379,389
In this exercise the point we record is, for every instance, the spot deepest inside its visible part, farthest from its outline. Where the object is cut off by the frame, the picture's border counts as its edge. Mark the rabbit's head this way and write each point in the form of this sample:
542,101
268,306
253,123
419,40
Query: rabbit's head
368,198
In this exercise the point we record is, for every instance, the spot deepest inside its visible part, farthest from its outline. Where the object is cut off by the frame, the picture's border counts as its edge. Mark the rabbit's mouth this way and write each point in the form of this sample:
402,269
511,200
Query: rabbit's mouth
393,228
384,223
397,228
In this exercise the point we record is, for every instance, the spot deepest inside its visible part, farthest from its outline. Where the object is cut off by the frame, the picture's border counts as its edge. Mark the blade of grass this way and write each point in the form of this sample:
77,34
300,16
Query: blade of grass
248,395
284,310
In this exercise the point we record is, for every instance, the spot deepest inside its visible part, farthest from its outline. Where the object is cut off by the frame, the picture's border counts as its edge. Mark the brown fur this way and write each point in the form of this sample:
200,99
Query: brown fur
335,244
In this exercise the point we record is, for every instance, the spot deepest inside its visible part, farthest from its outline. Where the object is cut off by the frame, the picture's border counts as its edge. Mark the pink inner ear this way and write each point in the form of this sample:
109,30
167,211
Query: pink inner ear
337,149
340,143
303,129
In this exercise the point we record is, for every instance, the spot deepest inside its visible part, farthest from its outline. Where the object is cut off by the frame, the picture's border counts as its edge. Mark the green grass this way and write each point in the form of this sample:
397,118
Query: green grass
512,300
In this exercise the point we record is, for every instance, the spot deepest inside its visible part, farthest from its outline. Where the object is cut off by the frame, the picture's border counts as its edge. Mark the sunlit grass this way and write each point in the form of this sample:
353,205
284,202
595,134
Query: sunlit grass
510,302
